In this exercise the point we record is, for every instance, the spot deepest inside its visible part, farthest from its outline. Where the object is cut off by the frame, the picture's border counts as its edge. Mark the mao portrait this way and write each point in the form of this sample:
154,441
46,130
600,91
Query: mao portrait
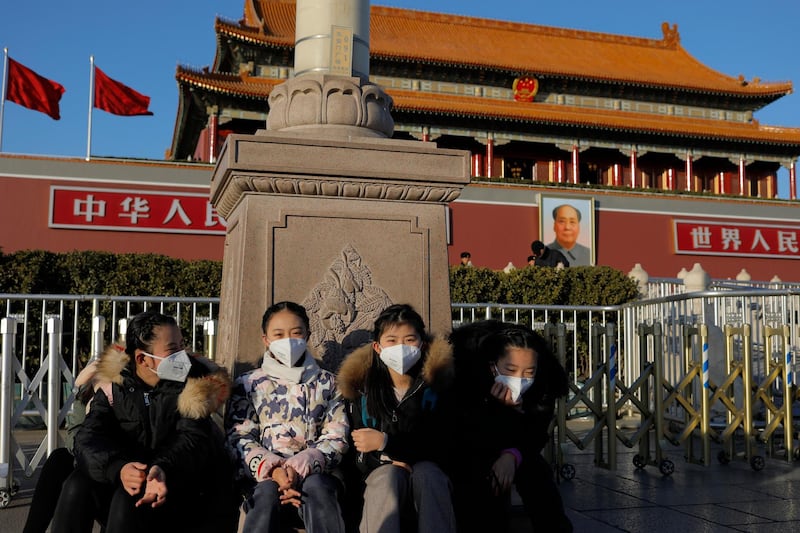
567,225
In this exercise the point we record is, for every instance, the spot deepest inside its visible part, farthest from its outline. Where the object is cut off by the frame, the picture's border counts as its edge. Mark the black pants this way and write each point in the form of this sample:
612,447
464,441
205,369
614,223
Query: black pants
478,510
83,501
56,469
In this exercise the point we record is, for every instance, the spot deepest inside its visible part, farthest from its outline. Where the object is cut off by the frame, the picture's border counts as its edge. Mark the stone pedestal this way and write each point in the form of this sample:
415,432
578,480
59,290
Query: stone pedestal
346,227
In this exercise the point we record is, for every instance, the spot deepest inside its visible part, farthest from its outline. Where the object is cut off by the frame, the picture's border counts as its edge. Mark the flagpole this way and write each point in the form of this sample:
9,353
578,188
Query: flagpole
3,94
91,105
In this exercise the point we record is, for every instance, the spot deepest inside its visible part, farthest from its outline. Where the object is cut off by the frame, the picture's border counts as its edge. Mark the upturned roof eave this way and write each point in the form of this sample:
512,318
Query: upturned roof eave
599,120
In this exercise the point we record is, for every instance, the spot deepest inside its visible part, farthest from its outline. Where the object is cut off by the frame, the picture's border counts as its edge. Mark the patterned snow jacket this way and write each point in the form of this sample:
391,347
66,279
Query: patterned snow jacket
419,429
273,420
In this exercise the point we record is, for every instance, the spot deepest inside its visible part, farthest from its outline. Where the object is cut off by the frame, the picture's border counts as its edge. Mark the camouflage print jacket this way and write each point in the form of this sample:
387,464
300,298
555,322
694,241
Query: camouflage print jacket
274,420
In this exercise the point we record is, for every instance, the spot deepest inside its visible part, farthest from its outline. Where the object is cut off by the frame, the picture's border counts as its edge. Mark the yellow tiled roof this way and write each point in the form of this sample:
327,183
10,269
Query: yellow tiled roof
404,34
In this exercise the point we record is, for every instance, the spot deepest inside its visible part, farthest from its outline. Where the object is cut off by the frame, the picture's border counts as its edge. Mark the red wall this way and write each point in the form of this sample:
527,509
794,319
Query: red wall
24,205
493,234
498,233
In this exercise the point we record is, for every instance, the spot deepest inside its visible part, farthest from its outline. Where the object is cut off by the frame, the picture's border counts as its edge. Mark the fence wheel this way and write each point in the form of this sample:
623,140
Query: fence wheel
5,499
757,463
666,467
723,458
567,471
639,461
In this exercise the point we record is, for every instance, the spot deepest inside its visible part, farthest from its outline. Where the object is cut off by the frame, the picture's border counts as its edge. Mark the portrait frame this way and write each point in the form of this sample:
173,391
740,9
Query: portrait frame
586,235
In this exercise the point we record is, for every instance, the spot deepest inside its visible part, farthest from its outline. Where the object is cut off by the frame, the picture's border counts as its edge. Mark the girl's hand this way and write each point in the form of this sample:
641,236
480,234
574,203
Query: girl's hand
367,440
289,494
155,491
132,476
502,393
502,473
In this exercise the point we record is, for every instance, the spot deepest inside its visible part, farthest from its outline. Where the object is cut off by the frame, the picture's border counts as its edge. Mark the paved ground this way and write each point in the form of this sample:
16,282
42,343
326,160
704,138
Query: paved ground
717,498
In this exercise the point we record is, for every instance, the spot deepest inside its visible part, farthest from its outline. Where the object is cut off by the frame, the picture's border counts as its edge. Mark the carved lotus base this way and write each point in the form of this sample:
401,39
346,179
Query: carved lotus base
330,106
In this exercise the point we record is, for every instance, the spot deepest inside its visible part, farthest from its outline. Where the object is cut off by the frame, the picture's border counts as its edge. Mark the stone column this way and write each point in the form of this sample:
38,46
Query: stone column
332,37
323,209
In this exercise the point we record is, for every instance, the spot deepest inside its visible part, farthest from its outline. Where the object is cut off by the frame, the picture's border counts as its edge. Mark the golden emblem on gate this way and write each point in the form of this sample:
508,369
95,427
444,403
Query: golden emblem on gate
525,88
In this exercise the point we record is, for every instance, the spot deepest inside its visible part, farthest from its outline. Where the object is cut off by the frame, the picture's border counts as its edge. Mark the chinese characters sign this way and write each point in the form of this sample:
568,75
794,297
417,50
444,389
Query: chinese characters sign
137,210
738,239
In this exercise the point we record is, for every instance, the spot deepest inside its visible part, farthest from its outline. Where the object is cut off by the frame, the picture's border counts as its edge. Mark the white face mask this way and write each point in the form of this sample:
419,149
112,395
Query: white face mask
288,351
174,367
516,385
400,357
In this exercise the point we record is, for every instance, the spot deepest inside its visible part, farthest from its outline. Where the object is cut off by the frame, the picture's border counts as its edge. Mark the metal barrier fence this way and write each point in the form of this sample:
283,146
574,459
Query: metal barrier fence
683,370
680,370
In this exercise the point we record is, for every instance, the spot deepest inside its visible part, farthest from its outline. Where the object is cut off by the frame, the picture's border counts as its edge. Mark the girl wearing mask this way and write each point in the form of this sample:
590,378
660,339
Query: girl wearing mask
287,428
149,454
508,383
395,390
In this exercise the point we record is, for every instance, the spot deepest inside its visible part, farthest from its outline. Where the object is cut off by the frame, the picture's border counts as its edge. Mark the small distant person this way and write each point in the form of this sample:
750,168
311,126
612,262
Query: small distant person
545,257
466,259
567,227
531,260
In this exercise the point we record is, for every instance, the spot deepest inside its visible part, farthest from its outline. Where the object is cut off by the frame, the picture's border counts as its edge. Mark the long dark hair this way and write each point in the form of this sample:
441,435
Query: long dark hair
476,346
550,375
295,309
379,387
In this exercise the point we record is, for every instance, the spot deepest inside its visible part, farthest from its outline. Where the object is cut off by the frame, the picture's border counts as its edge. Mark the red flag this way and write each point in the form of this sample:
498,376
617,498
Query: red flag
30,90
116,98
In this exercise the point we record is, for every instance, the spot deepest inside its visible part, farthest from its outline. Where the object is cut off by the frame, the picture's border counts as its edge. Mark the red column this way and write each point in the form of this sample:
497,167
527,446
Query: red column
426,134
741,177
617,174
489,156
792,181
723,183
689,172
213,122
576,170
633,169
477,163
560,171
671,179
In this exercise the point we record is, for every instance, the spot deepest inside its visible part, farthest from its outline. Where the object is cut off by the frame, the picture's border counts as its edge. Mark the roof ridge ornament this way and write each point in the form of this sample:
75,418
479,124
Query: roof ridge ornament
671,36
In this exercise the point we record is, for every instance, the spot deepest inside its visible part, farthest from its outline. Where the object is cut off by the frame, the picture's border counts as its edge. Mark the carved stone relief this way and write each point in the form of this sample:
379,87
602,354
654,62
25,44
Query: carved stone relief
343,307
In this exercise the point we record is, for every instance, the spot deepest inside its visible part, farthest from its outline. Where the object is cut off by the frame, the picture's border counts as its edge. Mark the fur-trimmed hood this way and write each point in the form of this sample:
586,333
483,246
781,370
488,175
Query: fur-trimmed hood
206,389
437,368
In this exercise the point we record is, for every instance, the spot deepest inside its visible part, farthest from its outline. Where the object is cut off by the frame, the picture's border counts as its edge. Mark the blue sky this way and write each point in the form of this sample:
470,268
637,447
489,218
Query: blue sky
140,43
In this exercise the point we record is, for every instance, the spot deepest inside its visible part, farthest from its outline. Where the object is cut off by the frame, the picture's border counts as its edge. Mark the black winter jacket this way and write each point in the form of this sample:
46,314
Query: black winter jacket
169,425
417,431
486,425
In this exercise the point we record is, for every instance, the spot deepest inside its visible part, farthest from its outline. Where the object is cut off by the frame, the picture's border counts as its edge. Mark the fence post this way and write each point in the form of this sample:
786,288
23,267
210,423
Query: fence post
8,330
54,333
123,330
611,413
210,330
98,330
